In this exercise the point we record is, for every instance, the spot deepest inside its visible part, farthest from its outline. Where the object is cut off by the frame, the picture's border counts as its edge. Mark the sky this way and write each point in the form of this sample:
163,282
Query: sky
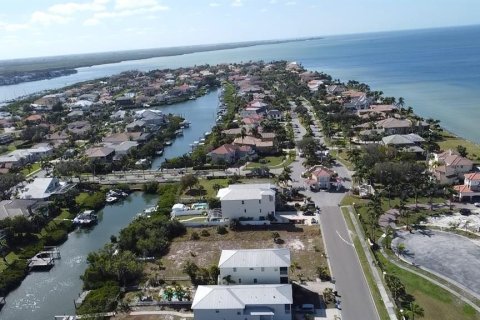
32,28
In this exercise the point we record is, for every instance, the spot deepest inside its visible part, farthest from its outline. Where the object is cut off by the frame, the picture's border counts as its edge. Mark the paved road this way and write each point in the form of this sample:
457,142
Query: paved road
356,300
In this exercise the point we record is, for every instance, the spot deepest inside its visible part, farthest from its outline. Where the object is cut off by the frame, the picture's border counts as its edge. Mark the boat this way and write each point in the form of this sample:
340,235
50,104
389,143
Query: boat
179,132
207,133
159,152
185,123
168,143
86,218
111,199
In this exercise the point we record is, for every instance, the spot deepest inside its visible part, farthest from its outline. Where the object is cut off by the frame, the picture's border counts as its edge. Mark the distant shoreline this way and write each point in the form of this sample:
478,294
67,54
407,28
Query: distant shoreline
75,61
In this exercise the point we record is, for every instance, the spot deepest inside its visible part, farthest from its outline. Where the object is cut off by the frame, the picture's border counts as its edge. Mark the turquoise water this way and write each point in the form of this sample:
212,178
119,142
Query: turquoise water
437,71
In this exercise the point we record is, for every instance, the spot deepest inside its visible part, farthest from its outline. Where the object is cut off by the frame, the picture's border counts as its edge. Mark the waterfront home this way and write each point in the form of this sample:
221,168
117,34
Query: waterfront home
470,187
230,153
140,137
21,207
260,145
247,201
100,153
448,167
355,100
254,266
136,126
239,302
44,188
336,89
405,142
48,101
21,157
121,149
395,126
313,85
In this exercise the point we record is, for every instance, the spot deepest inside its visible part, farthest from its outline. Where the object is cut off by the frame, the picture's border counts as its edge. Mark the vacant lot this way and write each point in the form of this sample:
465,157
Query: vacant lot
305,244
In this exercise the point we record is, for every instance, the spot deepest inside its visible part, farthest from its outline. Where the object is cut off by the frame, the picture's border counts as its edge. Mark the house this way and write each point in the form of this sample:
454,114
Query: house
101,153
152,118
123,148
229,153
239,302
254,266
313,85
336,89
79,129
470,187
274,114
85,105
76,115
260,145
33,119
20,207
247,201
6,138
395,126
405,142
44,188
118,115
140,137
448,167
355,100
137,125
21,157
320,178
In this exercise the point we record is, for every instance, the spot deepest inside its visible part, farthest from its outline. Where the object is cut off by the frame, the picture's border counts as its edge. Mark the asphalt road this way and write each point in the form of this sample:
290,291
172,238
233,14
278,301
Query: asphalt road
356,300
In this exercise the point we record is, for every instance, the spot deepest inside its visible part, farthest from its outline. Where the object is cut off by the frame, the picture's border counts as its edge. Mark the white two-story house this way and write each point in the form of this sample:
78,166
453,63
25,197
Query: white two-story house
254,266
247,201
243,302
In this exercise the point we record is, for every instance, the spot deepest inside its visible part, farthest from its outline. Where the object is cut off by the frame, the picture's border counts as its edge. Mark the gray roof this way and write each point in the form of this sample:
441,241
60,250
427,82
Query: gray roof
241,296
40,188
402,139
16,207
254,258
245,191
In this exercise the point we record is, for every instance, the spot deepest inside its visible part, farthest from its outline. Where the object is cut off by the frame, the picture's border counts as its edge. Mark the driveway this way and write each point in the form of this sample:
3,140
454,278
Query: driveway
450,255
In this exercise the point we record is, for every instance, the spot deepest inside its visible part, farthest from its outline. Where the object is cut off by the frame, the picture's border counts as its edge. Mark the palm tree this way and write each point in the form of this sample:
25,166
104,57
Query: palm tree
3,250
449,194
401,102
243,132
375,210
415,309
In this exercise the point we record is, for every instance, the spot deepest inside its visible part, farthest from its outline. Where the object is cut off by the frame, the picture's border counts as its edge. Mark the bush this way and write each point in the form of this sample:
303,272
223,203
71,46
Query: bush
194,236
13,275
55,237
150,187
100,300
205,233
221,230
94,202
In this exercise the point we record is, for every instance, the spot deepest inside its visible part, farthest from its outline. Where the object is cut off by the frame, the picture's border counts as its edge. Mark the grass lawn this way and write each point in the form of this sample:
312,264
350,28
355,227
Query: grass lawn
305,244
436,302
11,257
80,199
383,313
451,141
267,162
35,167
208,185
341,156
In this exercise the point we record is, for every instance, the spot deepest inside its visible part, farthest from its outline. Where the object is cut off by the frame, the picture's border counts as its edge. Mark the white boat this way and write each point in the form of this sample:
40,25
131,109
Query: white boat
111,199
168,143
86,218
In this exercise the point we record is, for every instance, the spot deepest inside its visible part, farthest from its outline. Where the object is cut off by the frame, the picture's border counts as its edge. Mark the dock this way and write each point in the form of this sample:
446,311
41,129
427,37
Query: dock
86,316
44,259
81,298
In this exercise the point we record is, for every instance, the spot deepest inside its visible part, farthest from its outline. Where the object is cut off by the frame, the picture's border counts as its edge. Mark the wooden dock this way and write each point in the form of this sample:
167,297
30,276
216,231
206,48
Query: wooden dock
44,259
86,316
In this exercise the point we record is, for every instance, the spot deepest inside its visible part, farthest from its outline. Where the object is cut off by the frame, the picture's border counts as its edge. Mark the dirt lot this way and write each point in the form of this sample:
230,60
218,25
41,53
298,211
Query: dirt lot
304,242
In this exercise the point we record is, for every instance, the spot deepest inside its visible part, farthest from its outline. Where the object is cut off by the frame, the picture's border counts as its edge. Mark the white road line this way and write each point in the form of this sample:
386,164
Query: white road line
347,242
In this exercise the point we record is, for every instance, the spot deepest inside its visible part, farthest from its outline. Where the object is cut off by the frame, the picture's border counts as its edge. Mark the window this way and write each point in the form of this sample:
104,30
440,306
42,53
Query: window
251,269
234,269
255,281
283,270
238,312
287,309
262,269
259,201
270,198
243,202
245,210
260,210
239,280
217,311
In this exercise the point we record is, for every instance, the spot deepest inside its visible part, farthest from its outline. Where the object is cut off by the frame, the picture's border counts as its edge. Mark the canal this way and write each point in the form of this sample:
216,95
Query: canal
45,294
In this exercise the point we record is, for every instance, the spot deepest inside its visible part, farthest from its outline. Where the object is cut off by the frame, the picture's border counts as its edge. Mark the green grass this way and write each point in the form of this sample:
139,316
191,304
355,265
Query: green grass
341,156
269,162
451,141
11,257
377,298
35,167
80,199
436,302
208,185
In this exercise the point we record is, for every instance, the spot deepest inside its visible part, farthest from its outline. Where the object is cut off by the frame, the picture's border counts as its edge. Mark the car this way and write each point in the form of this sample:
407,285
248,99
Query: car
477,204
308,213
465,212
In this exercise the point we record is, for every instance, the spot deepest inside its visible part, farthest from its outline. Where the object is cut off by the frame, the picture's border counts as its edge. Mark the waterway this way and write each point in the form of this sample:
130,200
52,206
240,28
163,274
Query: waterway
201,113
42,295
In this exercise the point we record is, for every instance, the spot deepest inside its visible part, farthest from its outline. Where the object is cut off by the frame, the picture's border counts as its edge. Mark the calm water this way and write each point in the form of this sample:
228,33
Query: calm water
436,71
201,113
45,294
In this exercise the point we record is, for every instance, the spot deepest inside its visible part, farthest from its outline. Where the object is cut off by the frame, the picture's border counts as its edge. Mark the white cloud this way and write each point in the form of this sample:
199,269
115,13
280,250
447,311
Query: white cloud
62,13
237,3
134,4
290,3
45,18
214,4
12,27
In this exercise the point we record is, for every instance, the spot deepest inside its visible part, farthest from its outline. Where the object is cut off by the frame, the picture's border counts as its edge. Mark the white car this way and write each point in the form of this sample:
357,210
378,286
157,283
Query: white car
477,204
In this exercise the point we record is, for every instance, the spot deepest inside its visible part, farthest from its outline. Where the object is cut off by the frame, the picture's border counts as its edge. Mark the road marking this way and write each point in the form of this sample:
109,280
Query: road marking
347,242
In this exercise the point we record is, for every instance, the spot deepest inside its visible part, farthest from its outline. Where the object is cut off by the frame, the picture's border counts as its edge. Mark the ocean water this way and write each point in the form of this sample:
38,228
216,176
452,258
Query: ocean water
437,71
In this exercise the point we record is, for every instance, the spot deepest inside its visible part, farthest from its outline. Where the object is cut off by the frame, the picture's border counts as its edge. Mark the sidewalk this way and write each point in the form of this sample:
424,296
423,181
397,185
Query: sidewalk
378,281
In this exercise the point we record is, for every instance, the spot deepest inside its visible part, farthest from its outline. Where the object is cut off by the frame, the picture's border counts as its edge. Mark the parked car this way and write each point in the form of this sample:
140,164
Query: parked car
465,212
477,204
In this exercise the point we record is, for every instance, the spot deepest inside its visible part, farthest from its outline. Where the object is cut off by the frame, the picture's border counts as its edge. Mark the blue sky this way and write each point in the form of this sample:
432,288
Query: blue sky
53,27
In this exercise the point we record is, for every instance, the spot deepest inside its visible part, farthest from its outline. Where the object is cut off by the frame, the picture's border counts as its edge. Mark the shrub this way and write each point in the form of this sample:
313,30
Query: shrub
55,237
150,187
194,236
95,201
99,300
221,230
205,233
13,275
